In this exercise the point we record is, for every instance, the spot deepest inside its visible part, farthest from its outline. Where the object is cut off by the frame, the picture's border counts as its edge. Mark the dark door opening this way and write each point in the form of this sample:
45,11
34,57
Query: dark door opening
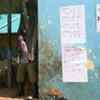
28,28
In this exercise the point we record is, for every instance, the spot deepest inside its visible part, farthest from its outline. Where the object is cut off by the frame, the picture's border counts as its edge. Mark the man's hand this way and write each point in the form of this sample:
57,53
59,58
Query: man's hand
31,57
17,60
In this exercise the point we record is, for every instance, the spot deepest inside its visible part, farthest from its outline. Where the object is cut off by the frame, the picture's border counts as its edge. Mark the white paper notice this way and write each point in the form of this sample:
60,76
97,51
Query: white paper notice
74,63
73,54
75,73
98,17
72,20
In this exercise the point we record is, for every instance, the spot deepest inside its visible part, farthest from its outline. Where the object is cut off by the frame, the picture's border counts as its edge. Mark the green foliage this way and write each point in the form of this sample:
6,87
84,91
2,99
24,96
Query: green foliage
4,65
3,70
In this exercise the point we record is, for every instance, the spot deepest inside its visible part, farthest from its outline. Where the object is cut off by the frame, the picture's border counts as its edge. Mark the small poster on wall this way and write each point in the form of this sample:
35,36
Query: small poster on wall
74,64
98,17
72,20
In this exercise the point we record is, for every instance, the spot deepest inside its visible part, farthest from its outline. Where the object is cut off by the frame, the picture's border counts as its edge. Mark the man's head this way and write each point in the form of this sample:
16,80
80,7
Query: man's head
20,38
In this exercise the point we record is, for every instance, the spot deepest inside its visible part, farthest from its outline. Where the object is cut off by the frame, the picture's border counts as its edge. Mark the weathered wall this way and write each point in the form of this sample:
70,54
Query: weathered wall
50,68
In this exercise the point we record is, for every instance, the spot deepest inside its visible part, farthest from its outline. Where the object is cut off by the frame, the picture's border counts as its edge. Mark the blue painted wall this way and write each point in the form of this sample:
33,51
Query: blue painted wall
50,74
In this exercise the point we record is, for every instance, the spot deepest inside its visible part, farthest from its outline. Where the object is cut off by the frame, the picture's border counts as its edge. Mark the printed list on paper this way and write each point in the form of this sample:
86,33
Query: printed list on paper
72,20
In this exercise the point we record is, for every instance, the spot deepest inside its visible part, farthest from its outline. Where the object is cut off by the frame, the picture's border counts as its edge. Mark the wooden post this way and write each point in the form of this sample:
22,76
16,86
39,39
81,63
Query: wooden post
9,44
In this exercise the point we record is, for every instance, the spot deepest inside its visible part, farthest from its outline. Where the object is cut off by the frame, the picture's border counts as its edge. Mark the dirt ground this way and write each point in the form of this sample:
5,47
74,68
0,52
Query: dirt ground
5,94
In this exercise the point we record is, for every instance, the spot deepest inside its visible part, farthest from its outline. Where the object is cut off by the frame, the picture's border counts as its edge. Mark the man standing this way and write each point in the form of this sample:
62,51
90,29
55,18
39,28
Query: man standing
30,67
23,62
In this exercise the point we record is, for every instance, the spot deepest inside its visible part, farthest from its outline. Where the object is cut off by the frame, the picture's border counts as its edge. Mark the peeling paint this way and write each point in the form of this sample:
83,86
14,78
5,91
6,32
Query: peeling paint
89,50
50,22
90,65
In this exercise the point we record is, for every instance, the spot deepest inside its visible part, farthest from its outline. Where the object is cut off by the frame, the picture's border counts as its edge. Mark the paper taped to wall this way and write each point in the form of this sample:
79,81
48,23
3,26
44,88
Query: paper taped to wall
98,17
74,64
72,20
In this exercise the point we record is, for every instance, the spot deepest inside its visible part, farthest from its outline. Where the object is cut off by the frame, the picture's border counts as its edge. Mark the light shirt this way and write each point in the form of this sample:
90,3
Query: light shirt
23,46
